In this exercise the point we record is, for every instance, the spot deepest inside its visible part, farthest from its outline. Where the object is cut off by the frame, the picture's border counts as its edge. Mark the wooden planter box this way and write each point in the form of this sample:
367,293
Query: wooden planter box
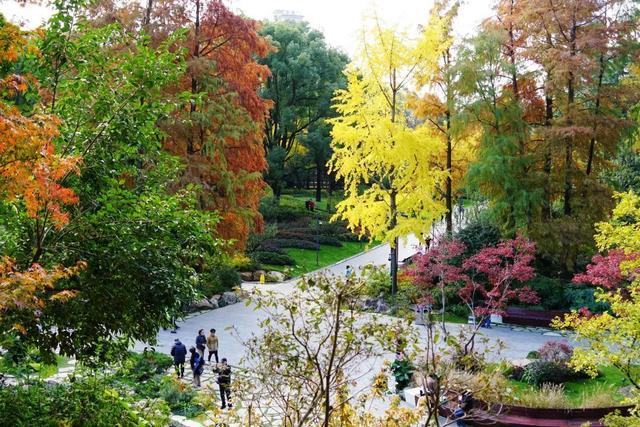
520,416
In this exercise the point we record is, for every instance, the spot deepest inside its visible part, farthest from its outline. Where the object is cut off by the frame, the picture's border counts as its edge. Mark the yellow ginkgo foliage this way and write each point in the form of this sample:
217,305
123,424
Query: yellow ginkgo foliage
383,155
612,338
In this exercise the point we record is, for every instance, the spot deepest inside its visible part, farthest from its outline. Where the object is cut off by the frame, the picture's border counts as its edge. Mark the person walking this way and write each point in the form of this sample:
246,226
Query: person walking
212,345
349,274
224,382
179,353
201,340
197,366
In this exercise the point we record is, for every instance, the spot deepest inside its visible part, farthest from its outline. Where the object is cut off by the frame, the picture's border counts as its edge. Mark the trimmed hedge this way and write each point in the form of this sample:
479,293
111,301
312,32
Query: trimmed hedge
309,236
272,258
295,243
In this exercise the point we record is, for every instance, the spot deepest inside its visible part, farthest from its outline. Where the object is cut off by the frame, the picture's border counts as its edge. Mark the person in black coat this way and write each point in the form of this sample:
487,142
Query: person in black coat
179,353
201,340
197,366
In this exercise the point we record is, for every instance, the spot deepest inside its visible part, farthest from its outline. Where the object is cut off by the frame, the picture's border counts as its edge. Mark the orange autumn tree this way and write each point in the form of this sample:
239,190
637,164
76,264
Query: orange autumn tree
30,171
217,128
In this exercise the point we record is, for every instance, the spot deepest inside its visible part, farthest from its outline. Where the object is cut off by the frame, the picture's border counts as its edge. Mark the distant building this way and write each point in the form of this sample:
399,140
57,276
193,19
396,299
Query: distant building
287,15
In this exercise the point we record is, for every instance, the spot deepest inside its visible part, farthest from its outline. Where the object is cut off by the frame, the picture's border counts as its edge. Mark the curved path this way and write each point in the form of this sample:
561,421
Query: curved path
243,318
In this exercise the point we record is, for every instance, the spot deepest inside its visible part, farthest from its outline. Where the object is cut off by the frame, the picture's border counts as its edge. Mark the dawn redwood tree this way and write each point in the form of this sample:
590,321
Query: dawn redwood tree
217,125
378,151
439,103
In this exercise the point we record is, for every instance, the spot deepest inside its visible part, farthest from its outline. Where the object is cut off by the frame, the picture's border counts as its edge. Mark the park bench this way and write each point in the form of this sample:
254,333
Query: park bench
525,317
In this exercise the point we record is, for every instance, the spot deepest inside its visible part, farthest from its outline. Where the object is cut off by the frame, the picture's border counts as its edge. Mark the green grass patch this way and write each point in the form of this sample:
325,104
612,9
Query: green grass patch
610,378
327,255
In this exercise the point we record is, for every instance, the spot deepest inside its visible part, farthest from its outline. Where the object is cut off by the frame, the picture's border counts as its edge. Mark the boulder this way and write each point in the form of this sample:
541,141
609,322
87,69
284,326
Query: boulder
203,304
229,298
381,306
246,276
276,276
214,300
218,298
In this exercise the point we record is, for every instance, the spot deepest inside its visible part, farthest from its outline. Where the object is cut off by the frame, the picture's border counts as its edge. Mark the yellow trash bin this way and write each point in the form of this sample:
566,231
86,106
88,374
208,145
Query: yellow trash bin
262,279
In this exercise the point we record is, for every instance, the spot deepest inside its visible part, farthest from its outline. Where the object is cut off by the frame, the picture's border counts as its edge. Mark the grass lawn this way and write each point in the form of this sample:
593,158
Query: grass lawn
306,258
610,378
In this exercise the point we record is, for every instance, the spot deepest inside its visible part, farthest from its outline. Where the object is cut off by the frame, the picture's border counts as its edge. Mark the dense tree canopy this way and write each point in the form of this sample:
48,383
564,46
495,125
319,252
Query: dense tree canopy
305,73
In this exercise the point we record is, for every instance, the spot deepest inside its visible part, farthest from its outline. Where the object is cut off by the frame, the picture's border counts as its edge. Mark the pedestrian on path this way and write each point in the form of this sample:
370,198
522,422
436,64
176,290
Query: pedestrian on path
201,340
224,382
179,353
212,345
197,366
349,273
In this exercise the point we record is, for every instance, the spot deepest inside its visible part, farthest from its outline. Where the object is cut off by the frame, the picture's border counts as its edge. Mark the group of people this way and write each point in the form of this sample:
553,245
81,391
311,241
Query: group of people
197,363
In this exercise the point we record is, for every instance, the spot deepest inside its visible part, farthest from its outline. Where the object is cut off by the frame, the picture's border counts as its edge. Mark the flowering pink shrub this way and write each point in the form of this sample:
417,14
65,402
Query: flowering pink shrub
558,352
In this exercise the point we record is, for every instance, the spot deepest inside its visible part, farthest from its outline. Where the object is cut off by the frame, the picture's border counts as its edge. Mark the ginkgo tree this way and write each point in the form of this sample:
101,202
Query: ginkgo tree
380,152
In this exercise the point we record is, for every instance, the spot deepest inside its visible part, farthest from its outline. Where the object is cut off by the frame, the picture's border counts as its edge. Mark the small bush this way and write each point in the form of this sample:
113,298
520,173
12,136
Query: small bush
548,396
222,278
376,281
459,310
551,292
329,241
478,235
142,366
180,397
272,212
533,355
244,263
89,401
579,296
541,371
254,240
272,258
558,352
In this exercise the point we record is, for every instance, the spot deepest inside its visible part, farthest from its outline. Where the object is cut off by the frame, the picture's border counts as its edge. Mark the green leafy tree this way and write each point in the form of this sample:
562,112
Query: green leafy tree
305,73
145,247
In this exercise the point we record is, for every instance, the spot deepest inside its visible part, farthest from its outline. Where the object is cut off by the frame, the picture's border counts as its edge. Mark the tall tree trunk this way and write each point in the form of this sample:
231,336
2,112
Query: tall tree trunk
394,247
319,174
592,143
568,155
393,208
548,117
334,347
194,80
147,16
449,182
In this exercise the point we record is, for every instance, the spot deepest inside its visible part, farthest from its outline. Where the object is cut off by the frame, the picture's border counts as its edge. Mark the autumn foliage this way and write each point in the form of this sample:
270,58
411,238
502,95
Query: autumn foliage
30,171
487,280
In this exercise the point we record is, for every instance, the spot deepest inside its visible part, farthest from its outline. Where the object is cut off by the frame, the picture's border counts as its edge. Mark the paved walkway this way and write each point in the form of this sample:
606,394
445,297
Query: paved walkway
244,319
